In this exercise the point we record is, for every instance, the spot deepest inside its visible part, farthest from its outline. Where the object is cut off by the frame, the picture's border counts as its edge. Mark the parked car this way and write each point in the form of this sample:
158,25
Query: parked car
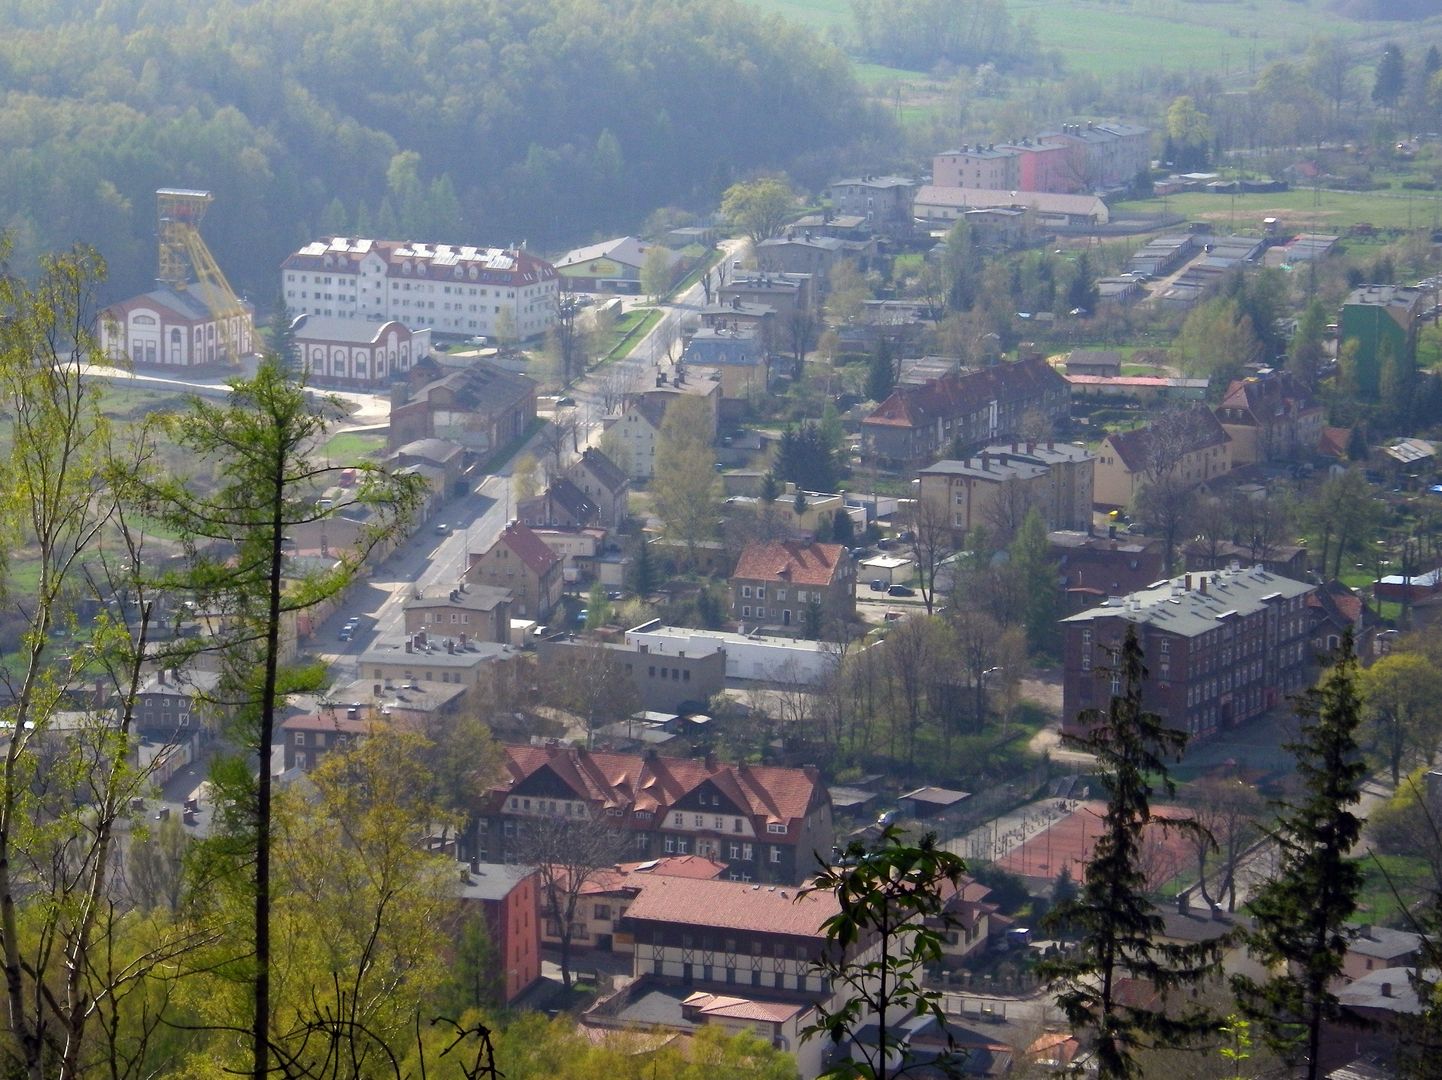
442,529
901,590
878,585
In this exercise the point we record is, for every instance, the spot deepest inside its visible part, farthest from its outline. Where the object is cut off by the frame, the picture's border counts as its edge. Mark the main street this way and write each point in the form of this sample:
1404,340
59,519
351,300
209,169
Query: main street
432,560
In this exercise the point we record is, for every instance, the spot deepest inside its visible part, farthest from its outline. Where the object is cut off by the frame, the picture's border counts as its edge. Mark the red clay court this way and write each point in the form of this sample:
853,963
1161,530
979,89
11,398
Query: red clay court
1069,842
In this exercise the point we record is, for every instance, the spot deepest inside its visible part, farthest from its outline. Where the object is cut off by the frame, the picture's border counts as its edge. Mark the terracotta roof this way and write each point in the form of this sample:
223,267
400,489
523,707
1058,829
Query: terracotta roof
1333,442
1132,446
956,393
634,875
737,1008
1338,602
734,905
631,783
791,562
1273,393
529,548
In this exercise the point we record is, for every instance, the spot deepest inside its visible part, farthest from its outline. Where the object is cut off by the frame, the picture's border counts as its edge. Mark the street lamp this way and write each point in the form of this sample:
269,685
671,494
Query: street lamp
981,696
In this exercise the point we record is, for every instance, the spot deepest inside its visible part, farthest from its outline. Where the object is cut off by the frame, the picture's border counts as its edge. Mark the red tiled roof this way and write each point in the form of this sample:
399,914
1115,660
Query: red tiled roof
1274,394
790,562
630,782
1333,442
633,875
737,1008
734,905
529,548
337,722
956,392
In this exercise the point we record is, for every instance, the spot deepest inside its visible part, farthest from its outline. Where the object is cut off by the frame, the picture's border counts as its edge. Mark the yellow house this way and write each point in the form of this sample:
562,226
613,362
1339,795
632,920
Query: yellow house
1190,443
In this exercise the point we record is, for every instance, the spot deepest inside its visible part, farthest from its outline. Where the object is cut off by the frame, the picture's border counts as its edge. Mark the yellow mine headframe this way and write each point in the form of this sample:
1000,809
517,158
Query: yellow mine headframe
183,254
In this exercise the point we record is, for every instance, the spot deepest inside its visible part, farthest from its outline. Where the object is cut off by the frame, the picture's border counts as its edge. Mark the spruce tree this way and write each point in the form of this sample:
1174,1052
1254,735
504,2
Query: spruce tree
1300,915
1113,915
282,337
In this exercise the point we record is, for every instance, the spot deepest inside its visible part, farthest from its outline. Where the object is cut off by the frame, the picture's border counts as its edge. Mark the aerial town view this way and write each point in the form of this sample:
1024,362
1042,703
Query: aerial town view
721,539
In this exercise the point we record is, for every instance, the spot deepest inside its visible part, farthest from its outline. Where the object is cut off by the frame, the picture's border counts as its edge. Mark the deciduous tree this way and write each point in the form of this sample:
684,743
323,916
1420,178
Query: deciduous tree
891,893
759,208
685,486
569,853
1403,695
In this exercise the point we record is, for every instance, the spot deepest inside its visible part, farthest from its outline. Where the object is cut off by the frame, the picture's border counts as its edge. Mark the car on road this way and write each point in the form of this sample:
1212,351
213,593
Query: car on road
346,632
560,401
878,585
901,590
442,529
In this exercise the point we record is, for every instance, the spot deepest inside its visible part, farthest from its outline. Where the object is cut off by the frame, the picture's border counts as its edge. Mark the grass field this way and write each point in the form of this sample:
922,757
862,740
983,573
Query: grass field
1301,209
352,446
1105,37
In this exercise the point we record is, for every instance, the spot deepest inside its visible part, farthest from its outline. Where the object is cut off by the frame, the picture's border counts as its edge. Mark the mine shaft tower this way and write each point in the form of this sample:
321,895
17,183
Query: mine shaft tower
183,255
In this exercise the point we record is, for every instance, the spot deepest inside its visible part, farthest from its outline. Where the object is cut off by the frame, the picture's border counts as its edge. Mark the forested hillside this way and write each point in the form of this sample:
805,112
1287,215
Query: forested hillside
478,120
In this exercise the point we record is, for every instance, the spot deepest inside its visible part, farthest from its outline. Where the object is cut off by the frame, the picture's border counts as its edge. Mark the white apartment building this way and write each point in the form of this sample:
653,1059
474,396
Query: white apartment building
450,289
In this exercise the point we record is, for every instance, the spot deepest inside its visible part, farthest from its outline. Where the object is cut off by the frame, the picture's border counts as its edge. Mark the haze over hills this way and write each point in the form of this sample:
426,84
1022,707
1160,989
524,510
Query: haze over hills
539,120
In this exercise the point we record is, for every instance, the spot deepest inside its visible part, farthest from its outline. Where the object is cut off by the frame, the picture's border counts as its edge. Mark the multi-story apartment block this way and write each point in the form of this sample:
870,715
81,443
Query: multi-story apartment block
1054,478
1378,318
766,823
1270,417
1078,158
1221,647
520,562
982,166
1127,460
962,412
451,289
882,202
776,582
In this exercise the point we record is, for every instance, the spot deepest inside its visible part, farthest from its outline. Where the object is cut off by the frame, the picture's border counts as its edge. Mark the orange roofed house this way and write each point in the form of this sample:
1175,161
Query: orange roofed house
765,822
520,561
746,950
776,582
605,896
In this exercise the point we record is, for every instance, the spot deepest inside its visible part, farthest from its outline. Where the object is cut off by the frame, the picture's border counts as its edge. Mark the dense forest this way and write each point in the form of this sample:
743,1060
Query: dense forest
475,120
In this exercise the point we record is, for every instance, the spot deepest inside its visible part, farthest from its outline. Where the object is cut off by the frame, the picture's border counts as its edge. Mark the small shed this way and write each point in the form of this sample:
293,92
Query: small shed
1104,362
929,802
